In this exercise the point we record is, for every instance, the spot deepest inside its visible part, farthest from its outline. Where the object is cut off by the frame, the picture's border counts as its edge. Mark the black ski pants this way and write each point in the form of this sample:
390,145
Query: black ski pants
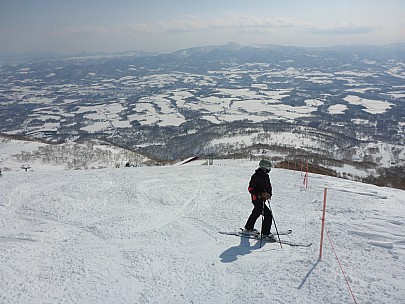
256,212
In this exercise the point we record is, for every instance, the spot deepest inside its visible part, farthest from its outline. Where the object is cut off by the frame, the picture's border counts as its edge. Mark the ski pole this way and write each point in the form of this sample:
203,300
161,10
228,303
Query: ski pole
275,225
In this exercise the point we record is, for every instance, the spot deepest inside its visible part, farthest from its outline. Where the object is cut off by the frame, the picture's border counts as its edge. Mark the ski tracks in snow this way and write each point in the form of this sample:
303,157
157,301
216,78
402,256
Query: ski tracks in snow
165,205
150,235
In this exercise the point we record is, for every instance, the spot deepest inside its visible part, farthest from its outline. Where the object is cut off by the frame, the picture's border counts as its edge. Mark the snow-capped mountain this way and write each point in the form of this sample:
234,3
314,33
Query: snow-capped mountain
341,104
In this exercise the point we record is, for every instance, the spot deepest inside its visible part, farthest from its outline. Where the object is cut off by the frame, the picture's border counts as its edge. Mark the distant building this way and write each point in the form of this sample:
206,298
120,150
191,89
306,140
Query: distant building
195,160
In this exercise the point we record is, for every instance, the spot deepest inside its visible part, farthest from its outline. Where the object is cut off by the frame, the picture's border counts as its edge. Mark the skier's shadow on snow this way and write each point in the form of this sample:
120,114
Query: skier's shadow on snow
231,255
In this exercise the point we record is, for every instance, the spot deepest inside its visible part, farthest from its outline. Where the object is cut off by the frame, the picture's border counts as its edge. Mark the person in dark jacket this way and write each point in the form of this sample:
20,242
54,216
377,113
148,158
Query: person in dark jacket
260,190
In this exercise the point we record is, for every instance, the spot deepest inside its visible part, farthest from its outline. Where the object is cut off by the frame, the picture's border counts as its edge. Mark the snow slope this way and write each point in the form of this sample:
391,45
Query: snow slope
45,157
150,235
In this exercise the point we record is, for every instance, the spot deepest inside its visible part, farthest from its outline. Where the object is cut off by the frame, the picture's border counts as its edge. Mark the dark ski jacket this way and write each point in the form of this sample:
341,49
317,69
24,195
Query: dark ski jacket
259,182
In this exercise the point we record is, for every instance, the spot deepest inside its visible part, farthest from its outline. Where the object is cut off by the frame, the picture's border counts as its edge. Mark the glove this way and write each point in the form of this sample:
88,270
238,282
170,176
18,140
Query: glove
265,196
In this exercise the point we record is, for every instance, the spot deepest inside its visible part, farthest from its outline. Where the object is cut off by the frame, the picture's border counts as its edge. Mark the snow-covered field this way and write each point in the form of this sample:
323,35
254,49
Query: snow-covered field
150,235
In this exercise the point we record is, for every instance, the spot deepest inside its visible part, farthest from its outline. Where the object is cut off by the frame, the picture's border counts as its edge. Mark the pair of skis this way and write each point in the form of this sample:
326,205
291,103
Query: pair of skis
257,237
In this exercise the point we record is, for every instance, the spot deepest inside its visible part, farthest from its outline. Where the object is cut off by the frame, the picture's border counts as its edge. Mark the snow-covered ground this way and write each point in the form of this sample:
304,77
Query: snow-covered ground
150,235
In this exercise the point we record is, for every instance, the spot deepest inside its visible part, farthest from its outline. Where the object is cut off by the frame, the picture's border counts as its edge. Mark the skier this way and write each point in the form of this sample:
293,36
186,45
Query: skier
261,191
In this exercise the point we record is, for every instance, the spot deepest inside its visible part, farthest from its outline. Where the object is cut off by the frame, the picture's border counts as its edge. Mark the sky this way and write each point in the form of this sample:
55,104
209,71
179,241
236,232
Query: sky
59,26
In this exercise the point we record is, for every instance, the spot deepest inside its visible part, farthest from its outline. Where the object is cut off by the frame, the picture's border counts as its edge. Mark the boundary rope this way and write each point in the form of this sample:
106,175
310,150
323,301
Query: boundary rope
340,265
334,250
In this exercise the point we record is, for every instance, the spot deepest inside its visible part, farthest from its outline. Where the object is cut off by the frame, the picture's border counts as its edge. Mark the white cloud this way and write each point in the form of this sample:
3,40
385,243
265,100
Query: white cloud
190,24
344,29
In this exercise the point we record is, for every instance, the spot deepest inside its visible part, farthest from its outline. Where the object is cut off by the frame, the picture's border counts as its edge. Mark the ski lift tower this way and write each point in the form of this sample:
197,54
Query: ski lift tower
26,167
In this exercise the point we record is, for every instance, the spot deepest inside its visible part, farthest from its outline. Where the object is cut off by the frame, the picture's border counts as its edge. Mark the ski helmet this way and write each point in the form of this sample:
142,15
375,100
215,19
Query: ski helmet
265,165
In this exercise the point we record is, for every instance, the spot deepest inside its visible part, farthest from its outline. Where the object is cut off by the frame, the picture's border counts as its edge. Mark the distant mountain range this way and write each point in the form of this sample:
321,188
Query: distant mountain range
342,104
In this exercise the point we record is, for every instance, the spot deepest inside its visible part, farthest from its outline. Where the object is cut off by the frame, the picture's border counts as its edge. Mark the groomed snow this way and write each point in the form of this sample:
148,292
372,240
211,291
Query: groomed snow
150,235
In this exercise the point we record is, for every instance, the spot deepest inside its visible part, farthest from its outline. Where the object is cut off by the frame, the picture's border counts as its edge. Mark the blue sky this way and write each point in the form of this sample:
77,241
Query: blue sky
69,26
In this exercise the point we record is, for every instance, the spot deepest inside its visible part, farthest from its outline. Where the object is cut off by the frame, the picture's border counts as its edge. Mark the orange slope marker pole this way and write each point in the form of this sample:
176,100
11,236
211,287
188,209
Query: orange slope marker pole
307,175
323,222
301,164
